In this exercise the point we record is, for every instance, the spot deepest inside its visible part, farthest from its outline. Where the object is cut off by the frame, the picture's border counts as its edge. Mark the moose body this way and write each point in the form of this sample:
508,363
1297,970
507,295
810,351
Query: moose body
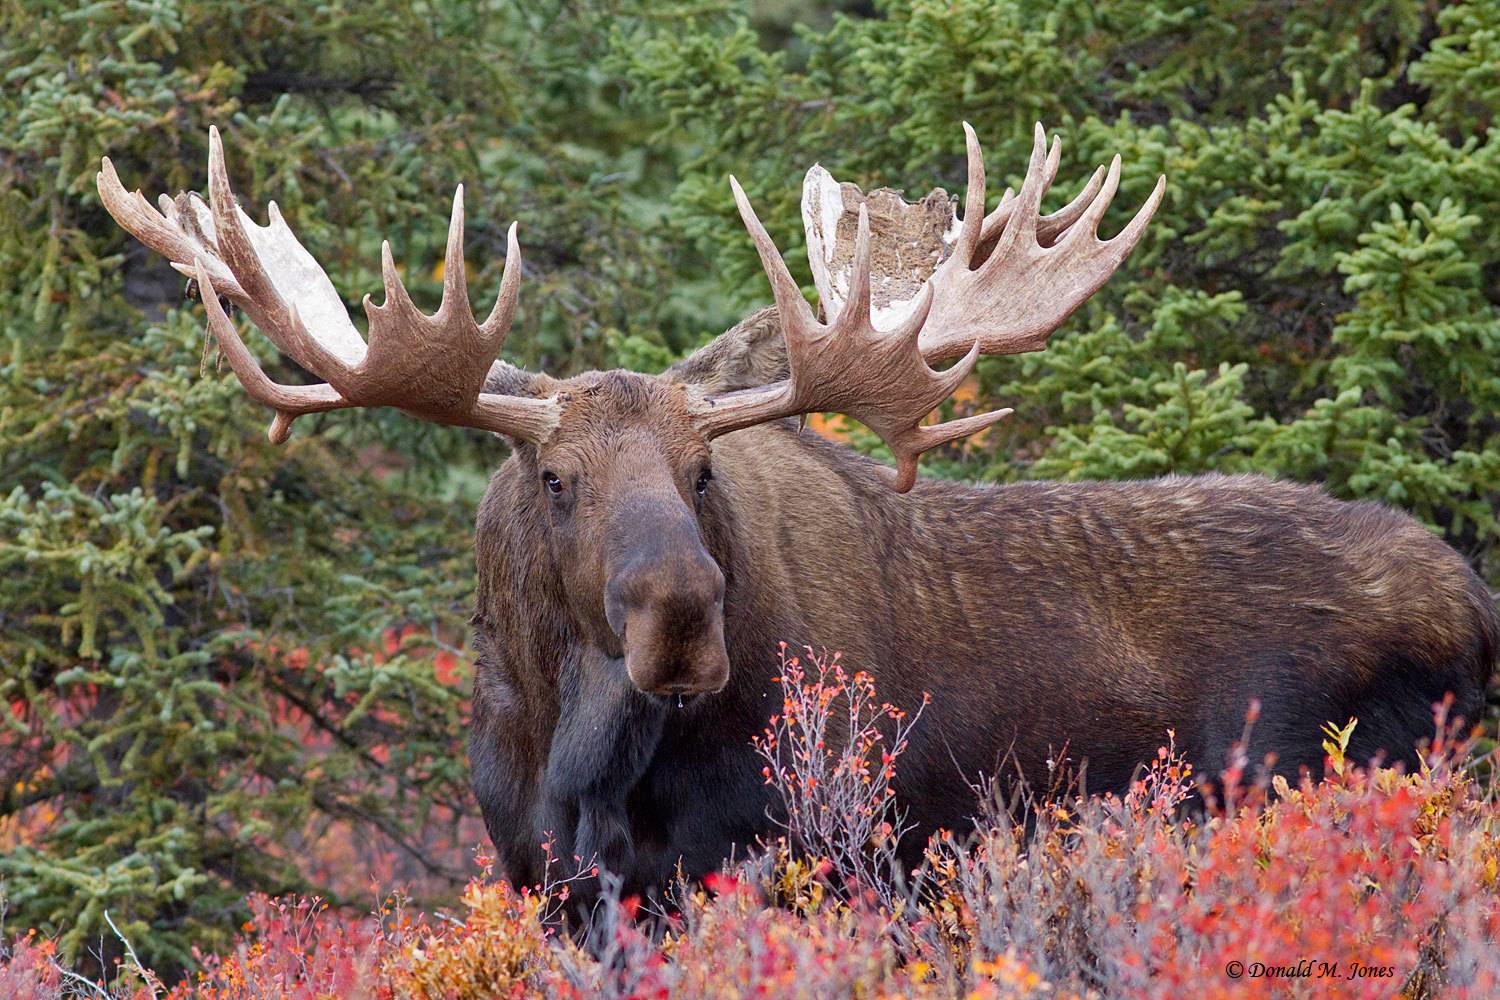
1045,620
654,538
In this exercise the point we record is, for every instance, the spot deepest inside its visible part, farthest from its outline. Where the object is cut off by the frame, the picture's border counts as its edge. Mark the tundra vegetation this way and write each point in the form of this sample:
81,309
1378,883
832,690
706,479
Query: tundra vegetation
231,671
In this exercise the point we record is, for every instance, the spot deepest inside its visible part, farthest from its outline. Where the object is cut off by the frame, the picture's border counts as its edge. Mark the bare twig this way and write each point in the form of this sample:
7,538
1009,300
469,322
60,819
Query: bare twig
147,976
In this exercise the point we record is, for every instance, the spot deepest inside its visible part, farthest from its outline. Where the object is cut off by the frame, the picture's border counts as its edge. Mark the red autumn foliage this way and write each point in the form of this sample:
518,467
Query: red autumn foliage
1365,882
831,754
28,972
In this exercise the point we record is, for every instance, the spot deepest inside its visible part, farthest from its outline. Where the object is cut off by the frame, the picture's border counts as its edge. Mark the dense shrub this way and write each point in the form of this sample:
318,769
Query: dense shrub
1363,883
831,756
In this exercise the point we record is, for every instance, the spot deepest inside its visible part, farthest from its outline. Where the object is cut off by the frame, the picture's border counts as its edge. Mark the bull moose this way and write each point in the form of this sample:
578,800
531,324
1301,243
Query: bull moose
652,538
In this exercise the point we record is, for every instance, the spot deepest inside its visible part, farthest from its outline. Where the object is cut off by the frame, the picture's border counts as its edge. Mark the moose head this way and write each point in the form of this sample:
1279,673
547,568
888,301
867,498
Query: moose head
622,463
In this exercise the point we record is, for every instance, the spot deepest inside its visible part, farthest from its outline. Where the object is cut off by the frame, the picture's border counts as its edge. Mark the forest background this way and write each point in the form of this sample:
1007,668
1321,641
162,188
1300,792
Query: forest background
228,667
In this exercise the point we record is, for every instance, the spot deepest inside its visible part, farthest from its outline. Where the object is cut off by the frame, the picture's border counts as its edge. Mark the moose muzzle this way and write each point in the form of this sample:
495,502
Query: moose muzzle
666,604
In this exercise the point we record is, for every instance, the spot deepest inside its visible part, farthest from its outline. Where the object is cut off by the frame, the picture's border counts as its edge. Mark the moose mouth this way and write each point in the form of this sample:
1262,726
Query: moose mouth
681,695
677,694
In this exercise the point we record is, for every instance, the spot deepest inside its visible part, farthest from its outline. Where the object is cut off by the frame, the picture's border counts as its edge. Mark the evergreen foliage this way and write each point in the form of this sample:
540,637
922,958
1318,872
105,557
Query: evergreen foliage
193,680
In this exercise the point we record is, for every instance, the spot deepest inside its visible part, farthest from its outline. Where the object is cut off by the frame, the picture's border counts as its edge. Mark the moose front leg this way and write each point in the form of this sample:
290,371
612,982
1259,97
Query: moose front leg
606,735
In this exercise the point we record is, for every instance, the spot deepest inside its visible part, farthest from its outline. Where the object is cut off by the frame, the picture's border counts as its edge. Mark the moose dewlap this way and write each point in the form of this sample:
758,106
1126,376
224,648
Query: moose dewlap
652,538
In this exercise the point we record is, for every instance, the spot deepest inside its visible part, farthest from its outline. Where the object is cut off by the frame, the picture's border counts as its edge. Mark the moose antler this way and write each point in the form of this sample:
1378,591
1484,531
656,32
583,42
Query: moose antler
433,367
877,377
1010,279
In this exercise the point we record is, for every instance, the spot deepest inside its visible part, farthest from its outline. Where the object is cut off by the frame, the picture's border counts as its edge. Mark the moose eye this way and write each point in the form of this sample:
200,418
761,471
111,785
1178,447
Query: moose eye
704,478
554,484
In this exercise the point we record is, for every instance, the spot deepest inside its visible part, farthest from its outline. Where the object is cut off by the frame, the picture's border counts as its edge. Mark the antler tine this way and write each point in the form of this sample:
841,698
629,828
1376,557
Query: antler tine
1049,228
790,304
973,223
455,301
1125,240
925,437
395,292
1088,222
995,223
155,229
856,311
455,284
1087,228
496,328
1028,203
996,220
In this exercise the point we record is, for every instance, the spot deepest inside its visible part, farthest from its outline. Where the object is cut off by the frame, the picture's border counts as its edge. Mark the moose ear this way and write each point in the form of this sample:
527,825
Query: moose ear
507,380
748,354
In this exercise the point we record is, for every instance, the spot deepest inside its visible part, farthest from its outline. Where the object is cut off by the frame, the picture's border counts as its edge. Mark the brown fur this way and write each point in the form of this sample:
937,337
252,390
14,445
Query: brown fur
1039,616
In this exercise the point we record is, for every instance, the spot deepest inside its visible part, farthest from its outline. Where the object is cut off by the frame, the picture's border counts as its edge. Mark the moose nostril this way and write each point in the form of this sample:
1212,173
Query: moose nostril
709,582
614,610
